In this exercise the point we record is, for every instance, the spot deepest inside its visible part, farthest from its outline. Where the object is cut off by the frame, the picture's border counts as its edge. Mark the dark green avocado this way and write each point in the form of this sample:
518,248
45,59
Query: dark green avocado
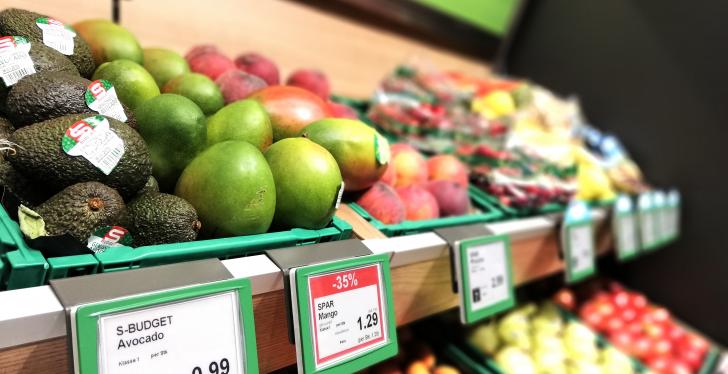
6,128
18,189
39,155
80,209
47,95
160,218
19,22
44,59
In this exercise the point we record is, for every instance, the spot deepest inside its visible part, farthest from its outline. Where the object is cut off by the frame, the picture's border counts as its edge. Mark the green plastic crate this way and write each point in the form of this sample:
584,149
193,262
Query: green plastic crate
123,258
511,212
488,213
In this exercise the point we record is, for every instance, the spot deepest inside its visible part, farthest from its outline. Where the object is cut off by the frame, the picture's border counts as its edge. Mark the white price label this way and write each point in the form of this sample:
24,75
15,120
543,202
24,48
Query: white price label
348,314
581,248
93,139
198,336
488,274
56,35
15,61
627,240
647,228
101,97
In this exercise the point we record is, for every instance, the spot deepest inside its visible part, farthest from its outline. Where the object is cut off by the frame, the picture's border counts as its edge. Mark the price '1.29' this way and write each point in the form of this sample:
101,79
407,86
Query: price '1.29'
214,368
370,320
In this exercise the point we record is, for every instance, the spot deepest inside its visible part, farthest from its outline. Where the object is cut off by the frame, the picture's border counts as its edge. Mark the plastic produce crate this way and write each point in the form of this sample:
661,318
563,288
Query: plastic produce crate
22,266
486,212
511,212
123,258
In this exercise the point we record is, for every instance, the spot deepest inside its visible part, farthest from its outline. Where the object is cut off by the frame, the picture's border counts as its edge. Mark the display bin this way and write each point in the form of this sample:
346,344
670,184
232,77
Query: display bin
23,266
511,212
485,212
123,258
480,361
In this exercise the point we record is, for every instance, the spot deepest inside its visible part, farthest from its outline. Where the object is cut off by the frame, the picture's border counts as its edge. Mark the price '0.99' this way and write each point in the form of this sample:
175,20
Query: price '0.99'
372,319
214,368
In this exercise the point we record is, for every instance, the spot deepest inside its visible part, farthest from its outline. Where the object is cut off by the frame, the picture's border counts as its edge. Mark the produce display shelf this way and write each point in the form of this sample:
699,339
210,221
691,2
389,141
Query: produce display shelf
421,283
485,212
27,267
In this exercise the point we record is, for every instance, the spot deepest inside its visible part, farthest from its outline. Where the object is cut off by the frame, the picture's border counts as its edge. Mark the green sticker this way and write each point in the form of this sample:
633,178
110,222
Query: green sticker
57,35
109,236
485,277
15,61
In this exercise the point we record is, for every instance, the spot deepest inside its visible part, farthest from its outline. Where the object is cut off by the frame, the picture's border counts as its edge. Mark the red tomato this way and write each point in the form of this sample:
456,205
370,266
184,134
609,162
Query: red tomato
660,314
628,314
692,357
641,347
620,299
638,301
613,324
589,314
660,347
675,332
634,328
622,340
678,367
692,341
659,364
653,330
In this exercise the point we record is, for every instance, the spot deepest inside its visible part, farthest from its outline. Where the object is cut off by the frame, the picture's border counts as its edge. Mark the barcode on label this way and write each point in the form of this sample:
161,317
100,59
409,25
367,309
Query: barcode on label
109,161
12,77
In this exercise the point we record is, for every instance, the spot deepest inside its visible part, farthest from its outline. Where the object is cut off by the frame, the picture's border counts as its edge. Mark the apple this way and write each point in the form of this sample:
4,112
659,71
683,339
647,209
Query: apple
639,302
613,324
674,332
659,364
660,347
622,340
620,299
692,357
660,314
692,341
588,313
628,314
641,346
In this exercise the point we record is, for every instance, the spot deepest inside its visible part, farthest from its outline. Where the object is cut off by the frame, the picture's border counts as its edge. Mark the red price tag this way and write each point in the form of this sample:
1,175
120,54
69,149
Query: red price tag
347,313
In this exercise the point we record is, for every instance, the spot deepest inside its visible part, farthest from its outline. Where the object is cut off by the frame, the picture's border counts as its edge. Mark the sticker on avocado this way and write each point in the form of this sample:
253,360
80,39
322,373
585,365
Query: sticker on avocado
101,97
109,236
56,35
93,139
15,61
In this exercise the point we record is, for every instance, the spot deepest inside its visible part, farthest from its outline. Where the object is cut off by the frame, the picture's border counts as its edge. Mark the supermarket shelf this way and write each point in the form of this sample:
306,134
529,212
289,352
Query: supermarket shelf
32,320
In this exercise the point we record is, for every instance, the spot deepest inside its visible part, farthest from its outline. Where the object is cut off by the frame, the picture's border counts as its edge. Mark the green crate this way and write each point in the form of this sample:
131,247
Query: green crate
25,267
123,258
465,360
488,213
511,212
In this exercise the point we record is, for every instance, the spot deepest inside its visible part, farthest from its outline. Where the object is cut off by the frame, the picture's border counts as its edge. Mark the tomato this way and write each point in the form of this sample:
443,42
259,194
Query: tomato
660,314
628,314
620,299
653,330
674,332
692,357
692,341
622,340
639,302
678,367
589,314
641,347
660,347
613,324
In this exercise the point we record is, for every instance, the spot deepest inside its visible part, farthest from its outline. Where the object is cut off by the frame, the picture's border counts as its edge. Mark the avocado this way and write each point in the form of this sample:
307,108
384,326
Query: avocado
152,186
38,154
80,209
44,59
19,22
6,128
47,95
18,189
160,218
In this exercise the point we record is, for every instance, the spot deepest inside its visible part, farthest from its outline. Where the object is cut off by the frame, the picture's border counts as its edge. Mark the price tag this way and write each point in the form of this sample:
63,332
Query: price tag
661,216
577,242
673,202
485,276
202,329
648,229
345,318
624,224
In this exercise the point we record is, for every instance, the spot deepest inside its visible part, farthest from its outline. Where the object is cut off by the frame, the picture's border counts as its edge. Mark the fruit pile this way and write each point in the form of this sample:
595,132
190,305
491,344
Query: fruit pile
641,329
415,356
108,144
538,339
415,188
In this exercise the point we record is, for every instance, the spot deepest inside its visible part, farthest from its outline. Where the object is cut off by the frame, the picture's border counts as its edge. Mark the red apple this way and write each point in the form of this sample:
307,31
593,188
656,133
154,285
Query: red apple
620,299
622,340
237,85
695,342
383,203
641,346
628,314
589,314
639,302
659,364
660,314
613,324
290,109
674,332
211,64
409,165
692,357
660,347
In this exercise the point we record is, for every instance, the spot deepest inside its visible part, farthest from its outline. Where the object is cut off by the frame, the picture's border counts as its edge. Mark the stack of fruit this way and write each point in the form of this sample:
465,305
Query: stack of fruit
147,152
641,329
414,188
415,356
533,339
